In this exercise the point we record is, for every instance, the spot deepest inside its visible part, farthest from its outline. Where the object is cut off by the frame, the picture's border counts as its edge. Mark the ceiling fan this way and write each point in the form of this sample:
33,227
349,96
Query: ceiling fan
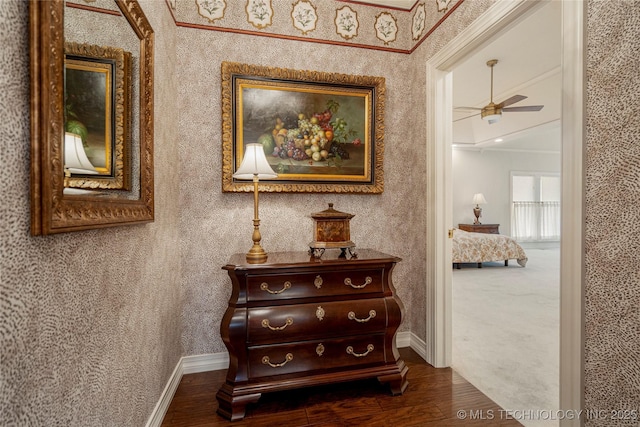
492,112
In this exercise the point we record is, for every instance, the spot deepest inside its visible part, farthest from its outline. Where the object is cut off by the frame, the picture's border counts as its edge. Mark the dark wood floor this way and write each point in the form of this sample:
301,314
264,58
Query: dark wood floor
434,397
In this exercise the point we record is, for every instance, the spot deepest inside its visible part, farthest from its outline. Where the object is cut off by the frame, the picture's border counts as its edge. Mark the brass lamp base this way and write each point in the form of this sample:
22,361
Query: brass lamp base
256,255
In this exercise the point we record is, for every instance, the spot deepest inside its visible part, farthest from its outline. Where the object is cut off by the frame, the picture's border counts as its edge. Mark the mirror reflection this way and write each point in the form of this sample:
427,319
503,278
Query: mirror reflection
102,55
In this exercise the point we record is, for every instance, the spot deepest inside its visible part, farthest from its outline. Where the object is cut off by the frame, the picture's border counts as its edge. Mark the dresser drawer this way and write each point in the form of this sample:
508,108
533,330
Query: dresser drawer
315,355
270,287
298,322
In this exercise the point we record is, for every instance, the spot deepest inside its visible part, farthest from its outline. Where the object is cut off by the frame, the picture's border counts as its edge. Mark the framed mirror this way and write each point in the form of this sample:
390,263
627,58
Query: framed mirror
111,41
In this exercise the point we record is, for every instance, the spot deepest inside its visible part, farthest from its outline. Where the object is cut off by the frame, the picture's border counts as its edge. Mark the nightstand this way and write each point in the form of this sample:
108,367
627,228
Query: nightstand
480,228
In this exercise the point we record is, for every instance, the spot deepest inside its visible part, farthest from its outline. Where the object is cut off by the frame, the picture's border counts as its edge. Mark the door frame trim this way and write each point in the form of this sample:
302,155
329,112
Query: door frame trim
499,17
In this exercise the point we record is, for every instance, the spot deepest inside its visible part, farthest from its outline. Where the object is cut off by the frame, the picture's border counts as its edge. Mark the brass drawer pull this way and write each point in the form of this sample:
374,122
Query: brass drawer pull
352,316
287,358
288,322
367,280
265,287
318,281
350,351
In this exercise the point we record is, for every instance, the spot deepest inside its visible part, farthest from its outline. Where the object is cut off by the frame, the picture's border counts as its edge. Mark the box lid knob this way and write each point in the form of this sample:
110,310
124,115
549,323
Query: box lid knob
331,213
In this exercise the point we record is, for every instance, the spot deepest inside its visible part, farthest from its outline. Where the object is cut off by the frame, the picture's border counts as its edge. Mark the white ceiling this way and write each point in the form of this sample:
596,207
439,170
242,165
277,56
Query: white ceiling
528,57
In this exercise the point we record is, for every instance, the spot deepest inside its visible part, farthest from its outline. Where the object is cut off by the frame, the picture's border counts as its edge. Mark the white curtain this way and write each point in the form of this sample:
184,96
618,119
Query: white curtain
535,221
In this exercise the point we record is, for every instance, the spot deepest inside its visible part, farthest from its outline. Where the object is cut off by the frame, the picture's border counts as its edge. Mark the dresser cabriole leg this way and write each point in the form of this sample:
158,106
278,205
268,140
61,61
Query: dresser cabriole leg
397,382
232,407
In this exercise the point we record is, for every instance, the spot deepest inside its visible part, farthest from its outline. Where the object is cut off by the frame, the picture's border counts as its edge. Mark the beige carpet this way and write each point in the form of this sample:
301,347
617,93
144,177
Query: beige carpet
506,333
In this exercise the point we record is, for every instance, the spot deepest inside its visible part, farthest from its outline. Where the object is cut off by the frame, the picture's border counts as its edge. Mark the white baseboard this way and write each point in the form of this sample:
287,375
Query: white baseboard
186,365
205,363
158,413
218,361
409,339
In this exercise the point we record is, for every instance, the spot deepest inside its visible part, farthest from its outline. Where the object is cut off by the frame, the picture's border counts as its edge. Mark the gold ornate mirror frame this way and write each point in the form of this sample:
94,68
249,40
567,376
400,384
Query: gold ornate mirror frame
51,210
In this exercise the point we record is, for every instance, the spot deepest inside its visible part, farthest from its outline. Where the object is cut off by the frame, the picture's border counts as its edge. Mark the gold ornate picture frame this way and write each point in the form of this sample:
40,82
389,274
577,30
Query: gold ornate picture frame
321,132
53,209
98,111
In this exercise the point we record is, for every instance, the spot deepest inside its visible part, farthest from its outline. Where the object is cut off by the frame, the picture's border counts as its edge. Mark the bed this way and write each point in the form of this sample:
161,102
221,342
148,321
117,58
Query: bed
480,247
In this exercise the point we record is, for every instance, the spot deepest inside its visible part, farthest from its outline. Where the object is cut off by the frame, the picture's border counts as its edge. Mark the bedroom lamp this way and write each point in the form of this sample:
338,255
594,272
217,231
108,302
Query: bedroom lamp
255,166
478,199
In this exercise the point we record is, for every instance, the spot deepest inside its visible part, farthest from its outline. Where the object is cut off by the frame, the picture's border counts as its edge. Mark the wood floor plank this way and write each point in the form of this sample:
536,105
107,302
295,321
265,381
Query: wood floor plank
433,398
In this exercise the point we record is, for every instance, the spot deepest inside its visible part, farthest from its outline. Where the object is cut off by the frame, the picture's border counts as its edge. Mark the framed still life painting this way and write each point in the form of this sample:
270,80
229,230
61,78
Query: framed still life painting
321,132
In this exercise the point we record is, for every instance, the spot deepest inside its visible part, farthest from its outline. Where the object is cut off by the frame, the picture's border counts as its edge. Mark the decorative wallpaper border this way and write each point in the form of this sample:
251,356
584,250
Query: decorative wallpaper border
336,22
259,13
211,9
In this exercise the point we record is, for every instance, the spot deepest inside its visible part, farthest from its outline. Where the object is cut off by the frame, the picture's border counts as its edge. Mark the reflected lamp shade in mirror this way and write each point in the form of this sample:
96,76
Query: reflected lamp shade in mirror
75,158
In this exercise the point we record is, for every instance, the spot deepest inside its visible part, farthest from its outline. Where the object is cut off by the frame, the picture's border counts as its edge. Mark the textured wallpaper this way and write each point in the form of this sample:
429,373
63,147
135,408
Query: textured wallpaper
93,323
89,321
612,306
215,225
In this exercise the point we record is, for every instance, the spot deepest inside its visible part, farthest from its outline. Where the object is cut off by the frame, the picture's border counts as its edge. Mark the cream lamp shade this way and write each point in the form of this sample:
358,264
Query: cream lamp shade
479,199
254,163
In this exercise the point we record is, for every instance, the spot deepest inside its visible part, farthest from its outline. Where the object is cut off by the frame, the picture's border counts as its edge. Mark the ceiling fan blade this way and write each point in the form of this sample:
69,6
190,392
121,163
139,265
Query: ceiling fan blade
468,117
524,108
467,108
512,100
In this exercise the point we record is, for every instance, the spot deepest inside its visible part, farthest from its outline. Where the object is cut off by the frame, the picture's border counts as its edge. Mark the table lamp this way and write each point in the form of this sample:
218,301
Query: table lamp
255,166
478,199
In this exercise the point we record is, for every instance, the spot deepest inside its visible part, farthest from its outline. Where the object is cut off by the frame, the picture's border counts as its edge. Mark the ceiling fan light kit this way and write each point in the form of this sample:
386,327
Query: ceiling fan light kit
493,112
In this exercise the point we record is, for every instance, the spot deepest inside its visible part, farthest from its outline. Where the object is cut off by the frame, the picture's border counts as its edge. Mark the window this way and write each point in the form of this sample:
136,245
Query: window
535,212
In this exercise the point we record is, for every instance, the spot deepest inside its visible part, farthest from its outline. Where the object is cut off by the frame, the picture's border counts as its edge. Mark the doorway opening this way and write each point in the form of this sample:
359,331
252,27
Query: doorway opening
505,316
499,17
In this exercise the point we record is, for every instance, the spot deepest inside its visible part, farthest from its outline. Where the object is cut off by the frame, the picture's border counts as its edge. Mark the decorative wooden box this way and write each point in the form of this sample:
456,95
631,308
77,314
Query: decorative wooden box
331,230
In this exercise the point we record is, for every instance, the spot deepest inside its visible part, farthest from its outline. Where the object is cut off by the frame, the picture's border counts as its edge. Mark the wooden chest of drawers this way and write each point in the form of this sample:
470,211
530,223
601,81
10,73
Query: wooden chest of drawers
300,321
